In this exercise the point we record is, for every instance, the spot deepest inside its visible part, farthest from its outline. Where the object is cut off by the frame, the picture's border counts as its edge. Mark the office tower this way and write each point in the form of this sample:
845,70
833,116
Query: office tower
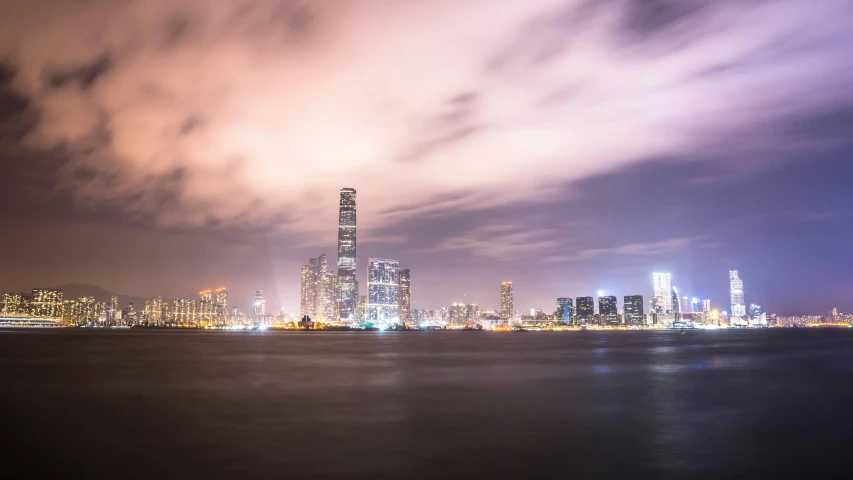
676,303
663,291
361,308
506,300
346,254
405,296
260,305
307,294
565,309
221,304
633,309
46,303
736,291
607,305
112,309
383,291
685,303
327,297
608,310
706,306
585,308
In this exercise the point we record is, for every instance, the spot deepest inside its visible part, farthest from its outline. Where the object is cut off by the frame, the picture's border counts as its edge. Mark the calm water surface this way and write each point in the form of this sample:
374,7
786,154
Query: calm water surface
426,405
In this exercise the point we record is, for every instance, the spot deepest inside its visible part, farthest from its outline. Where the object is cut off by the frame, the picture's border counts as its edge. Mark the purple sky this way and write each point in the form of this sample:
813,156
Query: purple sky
158,148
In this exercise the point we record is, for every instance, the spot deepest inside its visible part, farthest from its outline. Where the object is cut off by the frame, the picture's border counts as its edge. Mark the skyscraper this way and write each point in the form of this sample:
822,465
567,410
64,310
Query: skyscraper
663,290
383,291
506,301
260,305
565,310
608,310
676,303
346,254
633,309
221,304
706,306
585,309
307,294
405,296
736,291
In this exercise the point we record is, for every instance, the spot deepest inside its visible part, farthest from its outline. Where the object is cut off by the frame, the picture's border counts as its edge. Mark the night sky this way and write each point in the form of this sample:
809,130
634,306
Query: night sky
154,147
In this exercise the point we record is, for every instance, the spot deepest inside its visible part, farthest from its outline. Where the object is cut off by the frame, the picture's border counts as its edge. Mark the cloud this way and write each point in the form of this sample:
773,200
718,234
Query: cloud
501,242
632,249
199,114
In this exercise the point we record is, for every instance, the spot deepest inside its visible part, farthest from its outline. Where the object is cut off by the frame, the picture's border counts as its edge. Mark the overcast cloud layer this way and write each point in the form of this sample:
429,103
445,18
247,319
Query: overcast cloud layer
233,113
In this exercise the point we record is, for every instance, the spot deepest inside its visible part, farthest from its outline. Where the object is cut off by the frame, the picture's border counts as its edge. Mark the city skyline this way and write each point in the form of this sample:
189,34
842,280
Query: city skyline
570,146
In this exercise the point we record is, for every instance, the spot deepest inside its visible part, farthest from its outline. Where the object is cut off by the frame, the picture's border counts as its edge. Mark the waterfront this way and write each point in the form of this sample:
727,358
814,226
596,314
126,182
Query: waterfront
641,404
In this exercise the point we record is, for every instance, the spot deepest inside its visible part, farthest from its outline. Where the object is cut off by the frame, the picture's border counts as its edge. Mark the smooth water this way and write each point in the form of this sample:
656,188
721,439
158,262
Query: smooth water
427,405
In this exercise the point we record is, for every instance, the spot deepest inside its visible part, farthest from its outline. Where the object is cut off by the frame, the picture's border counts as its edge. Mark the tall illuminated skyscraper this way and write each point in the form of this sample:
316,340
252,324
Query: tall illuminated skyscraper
663,290
506,301
221,303
346,255
608,310
405,296
260,305
706,306
383,291
736,291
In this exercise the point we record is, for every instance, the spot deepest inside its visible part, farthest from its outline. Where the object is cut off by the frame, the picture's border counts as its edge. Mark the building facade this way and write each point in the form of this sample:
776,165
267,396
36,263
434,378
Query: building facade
347,284
585,308
662,283
383,291
406,296
634,310
565,309
46,303
736,294
506,301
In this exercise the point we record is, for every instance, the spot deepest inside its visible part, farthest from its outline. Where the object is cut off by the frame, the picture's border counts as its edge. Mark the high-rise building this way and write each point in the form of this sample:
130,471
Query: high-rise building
565,310
406,296
608,310
662,283
676,302
361,308
327,297
46,303
260,305
307,293
112,309
585,308
706,306
346,254
220,306
383,291
506,301
634,310
736,293
607,305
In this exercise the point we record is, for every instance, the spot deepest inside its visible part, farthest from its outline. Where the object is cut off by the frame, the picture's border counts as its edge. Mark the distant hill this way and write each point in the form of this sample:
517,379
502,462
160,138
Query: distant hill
73,291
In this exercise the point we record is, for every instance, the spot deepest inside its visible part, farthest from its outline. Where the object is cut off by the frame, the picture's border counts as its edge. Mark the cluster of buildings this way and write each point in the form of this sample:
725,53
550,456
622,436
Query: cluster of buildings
333,297
46,307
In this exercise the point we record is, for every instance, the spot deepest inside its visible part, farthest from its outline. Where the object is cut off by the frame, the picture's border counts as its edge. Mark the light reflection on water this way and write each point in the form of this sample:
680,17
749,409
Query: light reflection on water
427,404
